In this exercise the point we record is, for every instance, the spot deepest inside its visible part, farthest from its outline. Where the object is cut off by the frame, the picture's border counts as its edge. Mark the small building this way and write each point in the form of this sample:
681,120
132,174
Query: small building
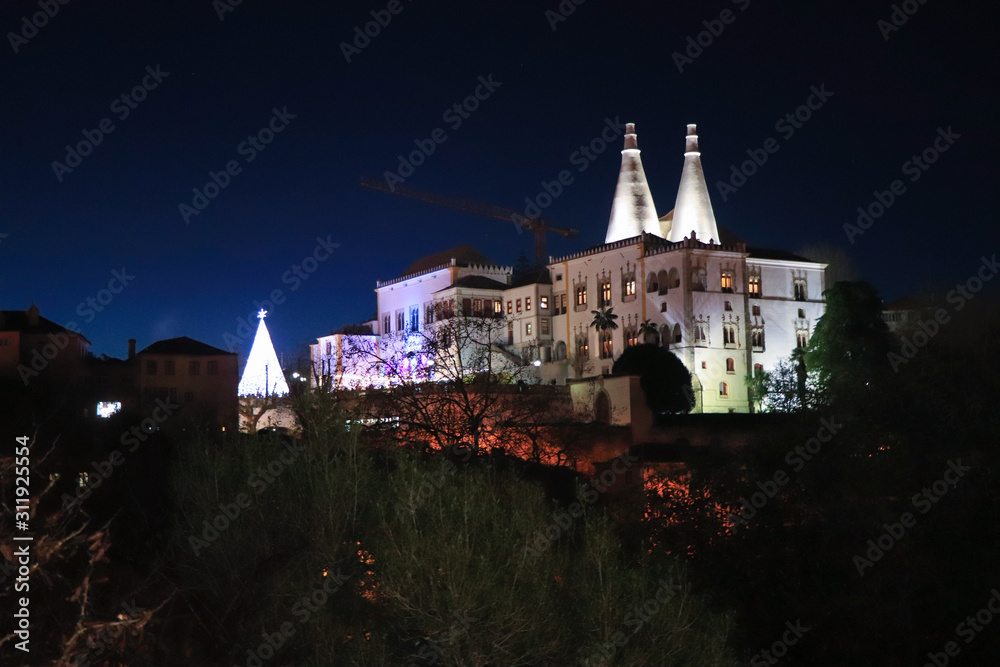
33,348
199,379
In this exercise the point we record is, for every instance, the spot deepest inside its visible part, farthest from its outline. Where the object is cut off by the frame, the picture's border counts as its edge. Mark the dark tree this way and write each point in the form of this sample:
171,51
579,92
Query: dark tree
849,349
663,377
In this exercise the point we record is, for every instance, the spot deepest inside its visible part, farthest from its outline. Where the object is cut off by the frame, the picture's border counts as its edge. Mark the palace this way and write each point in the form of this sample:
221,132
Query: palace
724,308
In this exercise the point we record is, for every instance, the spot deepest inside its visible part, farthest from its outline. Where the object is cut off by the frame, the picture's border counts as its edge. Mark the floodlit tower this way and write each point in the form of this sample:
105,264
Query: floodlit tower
632,212
262,375
693,209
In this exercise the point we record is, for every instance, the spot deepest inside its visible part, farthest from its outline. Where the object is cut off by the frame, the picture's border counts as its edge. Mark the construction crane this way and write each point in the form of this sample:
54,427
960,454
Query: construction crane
537,225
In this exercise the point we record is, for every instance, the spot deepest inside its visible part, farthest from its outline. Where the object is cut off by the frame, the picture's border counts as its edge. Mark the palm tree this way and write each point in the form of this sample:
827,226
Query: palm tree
604,319
647,330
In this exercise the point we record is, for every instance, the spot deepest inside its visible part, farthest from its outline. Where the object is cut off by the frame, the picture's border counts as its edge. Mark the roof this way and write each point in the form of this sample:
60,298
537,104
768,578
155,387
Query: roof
20,320
354,330
464,255
534,276
478,282
183,346
768,253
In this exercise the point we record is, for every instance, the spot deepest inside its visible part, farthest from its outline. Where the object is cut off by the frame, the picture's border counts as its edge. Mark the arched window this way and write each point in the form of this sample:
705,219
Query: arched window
724,389
560,351
651,284
730,365
758,369
662,279
674,280
677,333
663,306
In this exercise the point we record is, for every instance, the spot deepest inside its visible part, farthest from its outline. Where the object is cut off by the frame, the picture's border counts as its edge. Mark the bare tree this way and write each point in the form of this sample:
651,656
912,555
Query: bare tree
454,381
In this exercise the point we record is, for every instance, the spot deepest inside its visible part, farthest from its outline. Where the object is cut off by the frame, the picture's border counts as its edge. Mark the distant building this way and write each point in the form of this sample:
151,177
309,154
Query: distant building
724,308
33,348
202,380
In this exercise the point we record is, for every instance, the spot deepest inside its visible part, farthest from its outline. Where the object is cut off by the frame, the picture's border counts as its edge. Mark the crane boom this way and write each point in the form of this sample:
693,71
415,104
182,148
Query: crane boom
537,225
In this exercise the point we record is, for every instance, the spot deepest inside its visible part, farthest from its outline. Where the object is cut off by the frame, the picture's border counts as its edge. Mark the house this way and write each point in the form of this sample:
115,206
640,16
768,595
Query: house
34,348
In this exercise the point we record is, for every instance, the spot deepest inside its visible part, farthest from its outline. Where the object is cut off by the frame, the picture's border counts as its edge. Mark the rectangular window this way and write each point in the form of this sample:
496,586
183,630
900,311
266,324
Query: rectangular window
729,306
414,318
386,321
581,297
543,302
754,286
527,329
545,326
498,307
605,294
400,320
727,281
168,367
150,368
510,307
527,303
800,290
477,307
194,367
517,306
467,307
429,313
755,310
213,368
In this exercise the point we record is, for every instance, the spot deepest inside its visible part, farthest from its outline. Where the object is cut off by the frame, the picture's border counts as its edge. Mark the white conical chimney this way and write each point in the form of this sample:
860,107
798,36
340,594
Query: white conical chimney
693,210
633,211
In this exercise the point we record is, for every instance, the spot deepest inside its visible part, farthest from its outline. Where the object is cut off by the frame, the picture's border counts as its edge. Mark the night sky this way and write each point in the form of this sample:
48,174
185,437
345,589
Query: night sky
221,80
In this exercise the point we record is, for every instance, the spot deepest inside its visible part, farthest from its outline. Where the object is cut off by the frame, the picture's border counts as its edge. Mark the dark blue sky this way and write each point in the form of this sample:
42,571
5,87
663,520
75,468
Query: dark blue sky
119,208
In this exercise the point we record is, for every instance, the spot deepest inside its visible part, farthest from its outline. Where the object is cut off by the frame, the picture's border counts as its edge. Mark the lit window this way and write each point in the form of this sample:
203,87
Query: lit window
527,329
477,306
727,281
543,302
607,347
527,303
605,293
754,286
629,287
518,306
107,408
730,365
581,296
497,307
510,307
582,346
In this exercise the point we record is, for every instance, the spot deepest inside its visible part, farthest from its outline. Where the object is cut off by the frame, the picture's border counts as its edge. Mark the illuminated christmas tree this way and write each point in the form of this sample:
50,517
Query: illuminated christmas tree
262,375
